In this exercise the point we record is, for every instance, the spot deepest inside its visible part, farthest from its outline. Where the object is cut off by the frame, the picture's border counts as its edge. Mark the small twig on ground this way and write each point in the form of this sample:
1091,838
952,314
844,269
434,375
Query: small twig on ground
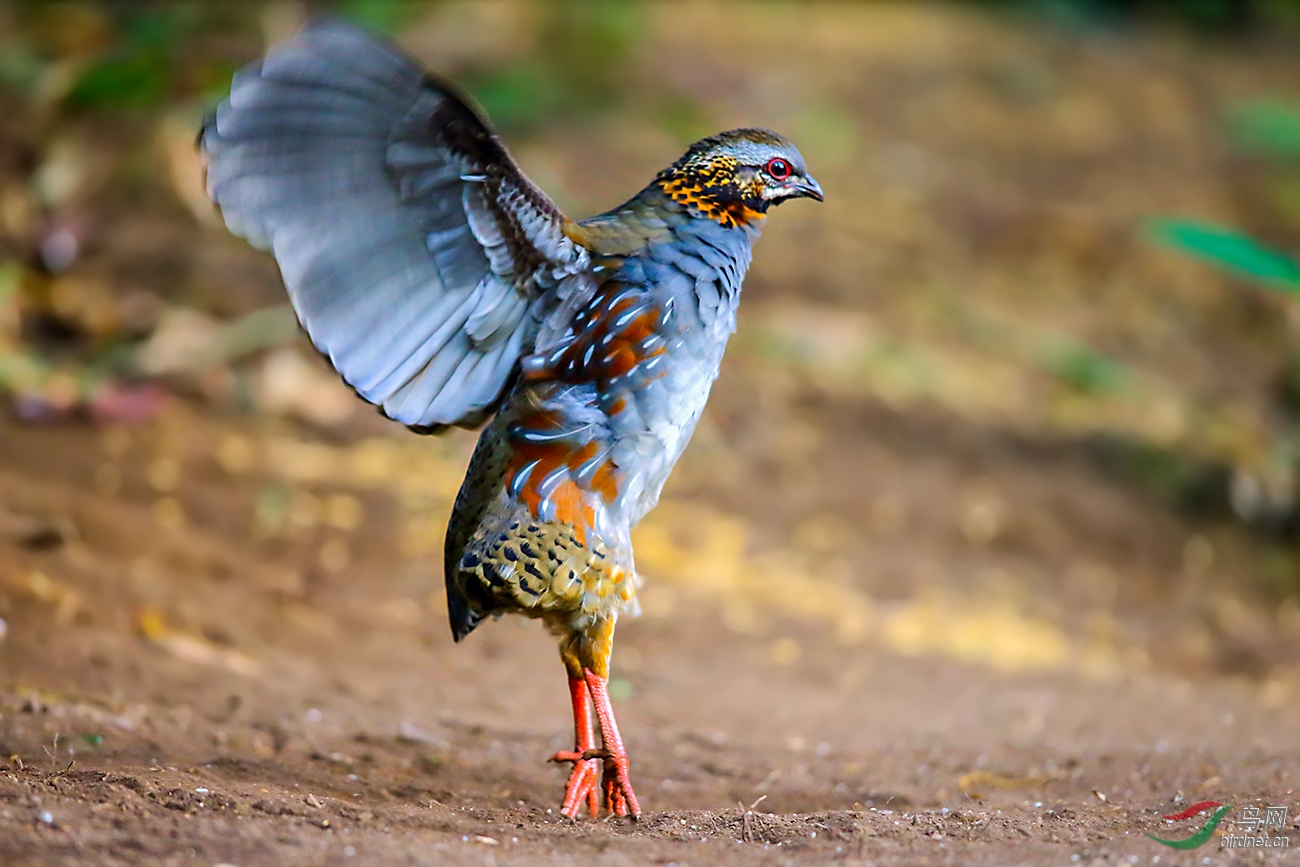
746,832
54,761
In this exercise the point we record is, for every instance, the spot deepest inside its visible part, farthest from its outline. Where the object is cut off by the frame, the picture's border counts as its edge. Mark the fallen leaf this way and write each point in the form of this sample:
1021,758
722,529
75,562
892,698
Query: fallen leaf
192,648
997,781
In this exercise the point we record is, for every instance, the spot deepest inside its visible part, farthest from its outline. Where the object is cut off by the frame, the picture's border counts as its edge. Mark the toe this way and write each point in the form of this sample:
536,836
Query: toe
582,786
614,795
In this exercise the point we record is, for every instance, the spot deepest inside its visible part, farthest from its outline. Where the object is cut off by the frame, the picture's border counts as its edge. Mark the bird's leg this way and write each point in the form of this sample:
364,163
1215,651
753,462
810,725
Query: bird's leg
617,782
582,780
586,652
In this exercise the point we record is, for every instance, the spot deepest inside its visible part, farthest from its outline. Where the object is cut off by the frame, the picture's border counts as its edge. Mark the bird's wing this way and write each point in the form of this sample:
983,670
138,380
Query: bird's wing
418,257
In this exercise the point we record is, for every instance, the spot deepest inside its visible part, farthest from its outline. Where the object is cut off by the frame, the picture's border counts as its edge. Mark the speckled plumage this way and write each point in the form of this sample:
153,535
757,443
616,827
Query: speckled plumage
447,289
585,441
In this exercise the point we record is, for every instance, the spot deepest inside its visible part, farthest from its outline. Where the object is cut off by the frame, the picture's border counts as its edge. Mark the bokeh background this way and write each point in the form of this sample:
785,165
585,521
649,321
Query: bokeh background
1013,413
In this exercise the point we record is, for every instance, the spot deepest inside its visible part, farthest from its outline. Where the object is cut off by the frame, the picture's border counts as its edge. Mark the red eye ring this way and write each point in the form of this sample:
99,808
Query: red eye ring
777,168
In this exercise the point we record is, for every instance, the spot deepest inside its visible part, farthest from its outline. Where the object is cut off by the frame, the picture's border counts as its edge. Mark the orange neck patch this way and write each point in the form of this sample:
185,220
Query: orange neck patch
713,188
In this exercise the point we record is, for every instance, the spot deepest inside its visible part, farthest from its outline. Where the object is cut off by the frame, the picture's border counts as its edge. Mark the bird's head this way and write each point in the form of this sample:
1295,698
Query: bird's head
734,177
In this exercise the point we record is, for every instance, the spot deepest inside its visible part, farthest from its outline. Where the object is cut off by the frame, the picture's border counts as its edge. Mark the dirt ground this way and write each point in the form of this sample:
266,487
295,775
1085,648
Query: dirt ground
902,612
320,717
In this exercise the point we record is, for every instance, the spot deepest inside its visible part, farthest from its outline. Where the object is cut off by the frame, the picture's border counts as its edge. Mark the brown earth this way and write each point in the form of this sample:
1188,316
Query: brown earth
900,608
300,715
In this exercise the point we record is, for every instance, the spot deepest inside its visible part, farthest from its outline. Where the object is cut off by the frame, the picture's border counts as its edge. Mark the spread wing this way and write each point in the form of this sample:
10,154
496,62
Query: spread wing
418,257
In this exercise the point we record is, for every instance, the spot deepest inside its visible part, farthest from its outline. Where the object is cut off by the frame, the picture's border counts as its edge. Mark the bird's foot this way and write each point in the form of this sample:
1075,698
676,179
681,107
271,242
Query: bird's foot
585,757
582,781
617,785
616,781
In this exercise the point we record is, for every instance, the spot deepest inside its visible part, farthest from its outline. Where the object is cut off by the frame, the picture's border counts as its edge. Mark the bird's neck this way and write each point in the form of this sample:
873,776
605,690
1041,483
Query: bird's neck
653,216
712,191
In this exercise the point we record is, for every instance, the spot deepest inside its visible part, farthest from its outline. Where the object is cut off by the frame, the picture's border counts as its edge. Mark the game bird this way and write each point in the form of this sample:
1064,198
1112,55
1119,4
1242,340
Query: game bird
447,289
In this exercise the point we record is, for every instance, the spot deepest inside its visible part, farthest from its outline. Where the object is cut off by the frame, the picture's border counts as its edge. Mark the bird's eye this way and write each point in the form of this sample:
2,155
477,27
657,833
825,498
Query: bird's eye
778,168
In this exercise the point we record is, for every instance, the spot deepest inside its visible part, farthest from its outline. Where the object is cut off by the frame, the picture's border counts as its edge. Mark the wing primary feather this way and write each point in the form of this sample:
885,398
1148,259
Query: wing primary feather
418,257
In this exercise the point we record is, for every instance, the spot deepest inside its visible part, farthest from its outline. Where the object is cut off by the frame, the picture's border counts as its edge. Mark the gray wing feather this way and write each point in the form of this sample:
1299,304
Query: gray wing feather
417,256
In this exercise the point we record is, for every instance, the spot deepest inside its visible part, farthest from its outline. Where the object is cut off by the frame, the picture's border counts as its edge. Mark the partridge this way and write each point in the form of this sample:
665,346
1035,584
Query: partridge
447,289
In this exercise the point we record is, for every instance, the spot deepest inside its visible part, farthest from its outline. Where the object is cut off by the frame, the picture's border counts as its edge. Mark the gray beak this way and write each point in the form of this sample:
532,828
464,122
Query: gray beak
806,187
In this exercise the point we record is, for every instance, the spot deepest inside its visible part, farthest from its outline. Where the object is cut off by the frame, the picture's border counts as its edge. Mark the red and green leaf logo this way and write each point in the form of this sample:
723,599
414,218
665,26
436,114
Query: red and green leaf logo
1206,831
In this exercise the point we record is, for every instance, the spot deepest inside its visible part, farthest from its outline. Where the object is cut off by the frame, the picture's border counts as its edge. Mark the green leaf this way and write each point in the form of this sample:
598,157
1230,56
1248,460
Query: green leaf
1085,370
620,689
20,68
1231,250
11,277
382,15
129,80
139,70
517,96
1266,127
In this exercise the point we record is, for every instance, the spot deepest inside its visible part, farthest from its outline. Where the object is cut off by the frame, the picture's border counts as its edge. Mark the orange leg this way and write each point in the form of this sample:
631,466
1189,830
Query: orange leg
617,782
582,780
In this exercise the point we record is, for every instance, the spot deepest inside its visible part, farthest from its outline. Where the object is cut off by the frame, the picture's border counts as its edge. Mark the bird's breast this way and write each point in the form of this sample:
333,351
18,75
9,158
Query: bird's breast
606,406
703,296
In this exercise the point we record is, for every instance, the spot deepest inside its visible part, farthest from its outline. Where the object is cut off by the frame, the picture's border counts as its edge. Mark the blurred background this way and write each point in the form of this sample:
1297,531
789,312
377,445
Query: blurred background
1020,400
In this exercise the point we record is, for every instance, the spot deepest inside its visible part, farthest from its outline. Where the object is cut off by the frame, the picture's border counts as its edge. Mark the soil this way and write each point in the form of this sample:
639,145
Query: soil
892,616
328,717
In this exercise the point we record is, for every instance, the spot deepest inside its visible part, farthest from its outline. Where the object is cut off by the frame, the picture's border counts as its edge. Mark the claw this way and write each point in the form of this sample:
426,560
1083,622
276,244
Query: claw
613,793
618,788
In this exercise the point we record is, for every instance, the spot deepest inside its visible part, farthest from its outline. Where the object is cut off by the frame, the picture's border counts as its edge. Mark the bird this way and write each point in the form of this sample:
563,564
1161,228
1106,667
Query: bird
448,290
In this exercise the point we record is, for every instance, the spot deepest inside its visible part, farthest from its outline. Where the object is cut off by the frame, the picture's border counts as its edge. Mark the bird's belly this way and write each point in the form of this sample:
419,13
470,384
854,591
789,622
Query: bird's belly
656,449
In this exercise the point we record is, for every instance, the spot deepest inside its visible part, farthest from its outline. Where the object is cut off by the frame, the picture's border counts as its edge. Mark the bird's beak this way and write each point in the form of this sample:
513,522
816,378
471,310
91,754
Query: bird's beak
805,187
